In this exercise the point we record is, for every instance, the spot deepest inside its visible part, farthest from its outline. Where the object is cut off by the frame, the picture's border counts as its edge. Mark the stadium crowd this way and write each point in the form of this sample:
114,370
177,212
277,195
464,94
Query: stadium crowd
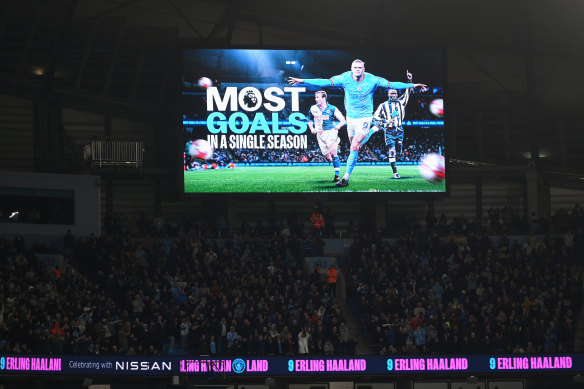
171,290
448,288
147,287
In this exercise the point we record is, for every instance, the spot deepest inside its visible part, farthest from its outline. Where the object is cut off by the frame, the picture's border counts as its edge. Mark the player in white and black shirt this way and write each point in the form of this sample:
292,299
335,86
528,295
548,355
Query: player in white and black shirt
389,116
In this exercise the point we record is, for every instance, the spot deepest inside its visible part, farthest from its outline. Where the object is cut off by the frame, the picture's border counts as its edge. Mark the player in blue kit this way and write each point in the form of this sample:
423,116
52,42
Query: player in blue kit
359,87
321,122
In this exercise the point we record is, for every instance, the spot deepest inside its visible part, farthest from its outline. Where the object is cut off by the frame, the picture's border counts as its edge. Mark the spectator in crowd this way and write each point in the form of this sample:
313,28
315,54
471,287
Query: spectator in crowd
303,338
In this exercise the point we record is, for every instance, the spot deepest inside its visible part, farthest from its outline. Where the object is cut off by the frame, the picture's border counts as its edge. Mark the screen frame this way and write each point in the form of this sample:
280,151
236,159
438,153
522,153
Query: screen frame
313,196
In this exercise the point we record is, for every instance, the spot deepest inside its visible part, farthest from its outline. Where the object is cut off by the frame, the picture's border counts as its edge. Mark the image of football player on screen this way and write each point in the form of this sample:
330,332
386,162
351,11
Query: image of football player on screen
321,121
359,88
389,117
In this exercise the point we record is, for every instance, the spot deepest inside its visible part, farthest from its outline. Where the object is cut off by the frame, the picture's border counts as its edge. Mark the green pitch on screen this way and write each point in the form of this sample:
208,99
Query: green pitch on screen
286,179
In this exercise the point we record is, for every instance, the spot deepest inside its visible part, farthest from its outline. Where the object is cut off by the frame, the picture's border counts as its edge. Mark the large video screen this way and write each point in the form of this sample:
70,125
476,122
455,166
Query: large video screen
292,121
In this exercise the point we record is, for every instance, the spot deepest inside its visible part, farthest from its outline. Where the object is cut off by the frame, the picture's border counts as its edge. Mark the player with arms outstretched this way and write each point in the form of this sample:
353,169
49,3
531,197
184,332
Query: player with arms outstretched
389,117
359,87
322,123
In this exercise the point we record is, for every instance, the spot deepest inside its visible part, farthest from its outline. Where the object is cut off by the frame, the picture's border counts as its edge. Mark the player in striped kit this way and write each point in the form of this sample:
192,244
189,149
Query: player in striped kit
389,116
359,87
322,123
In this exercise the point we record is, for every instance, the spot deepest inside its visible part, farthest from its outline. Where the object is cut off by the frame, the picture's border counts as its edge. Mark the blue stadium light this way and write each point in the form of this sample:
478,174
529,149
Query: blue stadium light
424,123
194,122
237,122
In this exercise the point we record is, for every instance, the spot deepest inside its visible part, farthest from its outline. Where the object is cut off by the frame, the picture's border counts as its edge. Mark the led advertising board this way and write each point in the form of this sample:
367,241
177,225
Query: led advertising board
293,365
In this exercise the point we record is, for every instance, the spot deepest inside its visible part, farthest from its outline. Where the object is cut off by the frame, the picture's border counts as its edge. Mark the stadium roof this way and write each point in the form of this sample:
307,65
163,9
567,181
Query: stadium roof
521,54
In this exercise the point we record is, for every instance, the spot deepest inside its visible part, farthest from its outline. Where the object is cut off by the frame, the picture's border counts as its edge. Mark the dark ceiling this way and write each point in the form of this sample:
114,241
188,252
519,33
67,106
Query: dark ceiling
489,41
514,66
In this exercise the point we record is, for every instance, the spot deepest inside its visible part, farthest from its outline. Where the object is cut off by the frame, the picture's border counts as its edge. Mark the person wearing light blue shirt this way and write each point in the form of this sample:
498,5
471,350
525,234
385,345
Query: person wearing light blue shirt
359,88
